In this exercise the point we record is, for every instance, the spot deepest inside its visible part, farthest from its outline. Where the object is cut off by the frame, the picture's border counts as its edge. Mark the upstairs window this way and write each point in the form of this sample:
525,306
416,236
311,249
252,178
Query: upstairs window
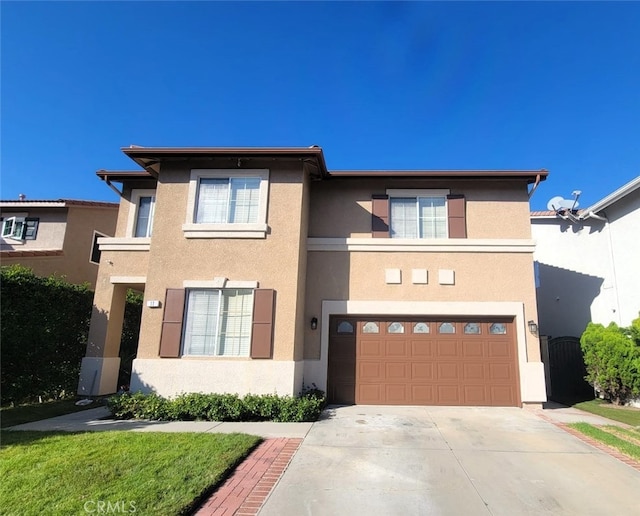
418,214
418,217
20,228
227,203
144,217
234,200
141,213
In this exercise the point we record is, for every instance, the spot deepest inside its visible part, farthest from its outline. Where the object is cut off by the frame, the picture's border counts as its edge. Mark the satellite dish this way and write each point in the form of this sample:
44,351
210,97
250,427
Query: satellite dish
559,203
554,203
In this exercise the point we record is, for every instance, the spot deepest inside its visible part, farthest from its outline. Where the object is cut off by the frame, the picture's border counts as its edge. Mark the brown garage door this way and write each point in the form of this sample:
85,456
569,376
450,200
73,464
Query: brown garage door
406,361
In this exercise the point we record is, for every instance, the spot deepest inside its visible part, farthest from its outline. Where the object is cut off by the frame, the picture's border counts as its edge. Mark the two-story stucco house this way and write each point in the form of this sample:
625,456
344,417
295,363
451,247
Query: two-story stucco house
56,236
263,271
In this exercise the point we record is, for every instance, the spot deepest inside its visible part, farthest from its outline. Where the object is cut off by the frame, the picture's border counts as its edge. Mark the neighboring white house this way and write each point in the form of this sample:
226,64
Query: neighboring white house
588,263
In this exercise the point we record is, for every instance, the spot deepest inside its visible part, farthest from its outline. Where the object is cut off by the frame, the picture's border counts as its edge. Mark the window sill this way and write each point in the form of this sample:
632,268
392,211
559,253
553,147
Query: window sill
124,244
448,245
224,230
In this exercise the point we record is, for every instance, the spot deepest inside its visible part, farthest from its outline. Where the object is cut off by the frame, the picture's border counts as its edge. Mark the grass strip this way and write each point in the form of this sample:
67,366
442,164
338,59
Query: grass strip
600,434
627,434
627,415
145,472
11,416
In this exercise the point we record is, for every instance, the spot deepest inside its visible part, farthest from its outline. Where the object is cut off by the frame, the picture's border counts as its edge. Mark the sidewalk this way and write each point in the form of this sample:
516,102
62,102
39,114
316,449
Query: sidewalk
93,420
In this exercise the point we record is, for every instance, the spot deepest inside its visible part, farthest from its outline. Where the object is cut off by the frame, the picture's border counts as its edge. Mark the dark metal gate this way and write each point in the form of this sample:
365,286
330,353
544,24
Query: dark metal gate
567,371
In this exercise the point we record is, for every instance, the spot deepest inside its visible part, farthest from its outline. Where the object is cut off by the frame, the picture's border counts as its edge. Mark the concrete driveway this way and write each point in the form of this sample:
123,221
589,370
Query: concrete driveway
443,460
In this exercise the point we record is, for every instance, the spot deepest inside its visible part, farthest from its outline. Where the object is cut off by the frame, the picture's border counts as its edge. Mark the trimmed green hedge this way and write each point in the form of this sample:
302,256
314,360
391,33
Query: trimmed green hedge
44,334
218,407
44,329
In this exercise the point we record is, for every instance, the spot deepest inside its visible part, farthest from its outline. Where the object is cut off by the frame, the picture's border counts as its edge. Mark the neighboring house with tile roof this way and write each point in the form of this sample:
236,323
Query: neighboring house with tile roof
263,272
588,263
56,236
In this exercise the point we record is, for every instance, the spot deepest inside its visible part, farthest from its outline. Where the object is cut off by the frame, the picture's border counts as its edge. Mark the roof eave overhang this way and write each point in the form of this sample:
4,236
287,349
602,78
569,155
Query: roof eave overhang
614,197
530,176
150,158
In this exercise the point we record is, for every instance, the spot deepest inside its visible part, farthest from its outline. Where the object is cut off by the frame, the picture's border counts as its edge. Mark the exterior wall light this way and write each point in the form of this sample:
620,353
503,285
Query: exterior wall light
533,327
314,323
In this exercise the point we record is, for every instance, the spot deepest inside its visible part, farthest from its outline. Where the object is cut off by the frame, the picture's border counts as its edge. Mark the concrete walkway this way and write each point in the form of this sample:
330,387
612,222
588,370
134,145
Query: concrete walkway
93,420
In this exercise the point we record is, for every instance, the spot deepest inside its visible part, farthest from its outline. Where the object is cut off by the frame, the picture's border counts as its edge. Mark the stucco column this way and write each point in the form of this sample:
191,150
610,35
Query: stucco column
100,366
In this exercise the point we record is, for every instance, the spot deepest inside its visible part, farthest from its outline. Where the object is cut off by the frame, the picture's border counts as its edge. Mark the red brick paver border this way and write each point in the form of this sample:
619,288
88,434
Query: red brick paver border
596,444
244,492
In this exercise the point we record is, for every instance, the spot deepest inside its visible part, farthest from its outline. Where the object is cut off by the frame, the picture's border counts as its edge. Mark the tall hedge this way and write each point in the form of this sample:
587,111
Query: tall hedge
44,334
43,329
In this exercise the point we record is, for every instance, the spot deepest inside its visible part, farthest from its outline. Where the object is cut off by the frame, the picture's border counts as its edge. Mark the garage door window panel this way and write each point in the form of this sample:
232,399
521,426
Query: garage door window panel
498,329
370,327
472,329
447,327
345,328
395,327
421,327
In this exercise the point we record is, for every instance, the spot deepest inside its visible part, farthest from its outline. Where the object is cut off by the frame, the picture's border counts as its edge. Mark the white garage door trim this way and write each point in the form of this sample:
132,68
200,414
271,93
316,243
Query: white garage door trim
532,384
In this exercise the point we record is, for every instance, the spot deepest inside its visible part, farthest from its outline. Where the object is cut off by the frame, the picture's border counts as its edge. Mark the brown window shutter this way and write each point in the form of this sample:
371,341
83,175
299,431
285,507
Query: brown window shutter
172,323
380,216
262,328
457,216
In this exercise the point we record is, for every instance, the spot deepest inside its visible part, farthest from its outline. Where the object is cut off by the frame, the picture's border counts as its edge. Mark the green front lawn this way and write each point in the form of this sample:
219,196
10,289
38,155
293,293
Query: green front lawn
11,416
628,415
142,472
625,441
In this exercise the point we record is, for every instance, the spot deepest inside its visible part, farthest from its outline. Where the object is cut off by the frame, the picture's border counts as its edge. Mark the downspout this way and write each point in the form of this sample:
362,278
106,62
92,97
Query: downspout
592,215
535,185
110,185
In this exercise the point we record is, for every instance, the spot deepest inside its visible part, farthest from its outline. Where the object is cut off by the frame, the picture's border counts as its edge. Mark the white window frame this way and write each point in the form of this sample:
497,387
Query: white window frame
416,193
13,218
258,229
132,219
216,353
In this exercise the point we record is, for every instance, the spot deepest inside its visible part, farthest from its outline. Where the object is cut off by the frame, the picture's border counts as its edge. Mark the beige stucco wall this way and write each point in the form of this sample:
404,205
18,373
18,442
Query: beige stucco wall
276,261
479,277
51,229
70,230
495,209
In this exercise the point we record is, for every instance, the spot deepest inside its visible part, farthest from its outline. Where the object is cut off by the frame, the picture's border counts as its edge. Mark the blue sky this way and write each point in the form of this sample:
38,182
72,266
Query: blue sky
424,85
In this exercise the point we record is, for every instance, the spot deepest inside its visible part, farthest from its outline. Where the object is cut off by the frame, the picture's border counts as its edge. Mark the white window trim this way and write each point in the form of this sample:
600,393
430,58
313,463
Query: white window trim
220,283
93,239
6,217
231,230
133,209
421,193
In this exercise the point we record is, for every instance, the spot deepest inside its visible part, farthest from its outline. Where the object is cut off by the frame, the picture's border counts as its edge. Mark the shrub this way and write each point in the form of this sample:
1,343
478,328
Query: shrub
44,329
218,407
612,358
